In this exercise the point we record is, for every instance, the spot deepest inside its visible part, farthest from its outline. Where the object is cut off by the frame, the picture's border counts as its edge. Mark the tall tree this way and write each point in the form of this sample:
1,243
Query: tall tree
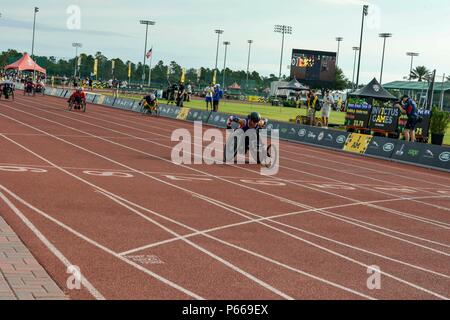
420,73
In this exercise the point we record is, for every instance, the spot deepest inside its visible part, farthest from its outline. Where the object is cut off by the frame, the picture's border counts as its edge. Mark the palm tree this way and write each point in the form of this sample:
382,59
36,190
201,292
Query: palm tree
420,74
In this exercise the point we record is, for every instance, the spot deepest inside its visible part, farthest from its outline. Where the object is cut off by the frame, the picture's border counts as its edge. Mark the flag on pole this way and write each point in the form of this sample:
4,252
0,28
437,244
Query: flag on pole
113,64
79,61
149,53
129,69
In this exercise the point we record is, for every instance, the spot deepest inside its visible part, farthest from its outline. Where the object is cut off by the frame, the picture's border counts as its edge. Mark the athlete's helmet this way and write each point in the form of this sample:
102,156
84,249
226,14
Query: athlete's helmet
255,117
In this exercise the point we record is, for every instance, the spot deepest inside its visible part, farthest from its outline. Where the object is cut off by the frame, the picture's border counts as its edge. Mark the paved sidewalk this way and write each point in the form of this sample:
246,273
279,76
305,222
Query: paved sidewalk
21,276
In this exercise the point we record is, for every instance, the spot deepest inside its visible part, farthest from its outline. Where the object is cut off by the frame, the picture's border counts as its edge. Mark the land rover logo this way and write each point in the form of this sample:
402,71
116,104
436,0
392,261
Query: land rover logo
388,147
302,133
341,139
445,156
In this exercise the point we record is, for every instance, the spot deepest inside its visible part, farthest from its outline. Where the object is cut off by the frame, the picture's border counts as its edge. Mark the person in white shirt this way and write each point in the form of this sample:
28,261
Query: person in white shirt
328,102
209,92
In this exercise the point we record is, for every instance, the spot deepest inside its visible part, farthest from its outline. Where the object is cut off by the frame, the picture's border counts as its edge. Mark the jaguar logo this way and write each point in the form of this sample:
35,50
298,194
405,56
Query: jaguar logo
388,147
445,156
302,133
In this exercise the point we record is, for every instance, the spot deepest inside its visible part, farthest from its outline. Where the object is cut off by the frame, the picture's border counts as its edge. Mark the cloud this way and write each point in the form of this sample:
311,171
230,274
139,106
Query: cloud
27,25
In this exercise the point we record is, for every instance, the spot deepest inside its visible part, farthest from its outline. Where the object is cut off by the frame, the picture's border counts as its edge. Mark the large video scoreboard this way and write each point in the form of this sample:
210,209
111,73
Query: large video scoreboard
314,68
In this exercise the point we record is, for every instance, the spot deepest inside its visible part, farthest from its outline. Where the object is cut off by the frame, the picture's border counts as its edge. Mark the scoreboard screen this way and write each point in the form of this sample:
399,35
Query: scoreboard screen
314,68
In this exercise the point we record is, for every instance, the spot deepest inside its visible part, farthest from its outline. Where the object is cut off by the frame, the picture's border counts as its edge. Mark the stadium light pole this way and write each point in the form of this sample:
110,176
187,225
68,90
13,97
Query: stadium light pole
384,36
339,40
283,30
76,45
356,49
364,14
226,44
412,55
146,23
36,10
219,32
248,62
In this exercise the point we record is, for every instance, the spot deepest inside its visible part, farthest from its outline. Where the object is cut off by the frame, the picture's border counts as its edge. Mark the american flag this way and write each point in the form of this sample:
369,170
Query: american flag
149,53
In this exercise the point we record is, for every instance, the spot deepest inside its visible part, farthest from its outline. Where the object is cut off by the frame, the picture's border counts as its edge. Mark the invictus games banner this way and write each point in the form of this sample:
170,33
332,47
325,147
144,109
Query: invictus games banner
358,113
384,117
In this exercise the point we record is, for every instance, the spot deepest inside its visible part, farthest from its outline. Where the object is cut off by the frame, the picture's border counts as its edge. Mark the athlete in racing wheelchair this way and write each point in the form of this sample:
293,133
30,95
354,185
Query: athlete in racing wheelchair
150,104
7,90
29,88
77,100
40,88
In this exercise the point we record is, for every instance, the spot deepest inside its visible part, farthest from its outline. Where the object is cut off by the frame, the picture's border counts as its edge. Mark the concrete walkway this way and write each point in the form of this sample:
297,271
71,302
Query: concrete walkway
21,276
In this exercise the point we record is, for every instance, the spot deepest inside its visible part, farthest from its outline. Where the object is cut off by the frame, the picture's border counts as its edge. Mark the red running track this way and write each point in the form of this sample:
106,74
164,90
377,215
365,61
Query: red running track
103,191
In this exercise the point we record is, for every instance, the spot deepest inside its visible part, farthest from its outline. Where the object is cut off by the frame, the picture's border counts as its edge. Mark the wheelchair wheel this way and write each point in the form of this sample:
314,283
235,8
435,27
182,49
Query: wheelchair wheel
230,150
70,106
269,156
83,107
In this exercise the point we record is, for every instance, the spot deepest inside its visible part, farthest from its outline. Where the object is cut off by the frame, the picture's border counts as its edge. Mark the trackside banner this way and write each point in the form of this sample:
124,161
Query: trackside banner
420,154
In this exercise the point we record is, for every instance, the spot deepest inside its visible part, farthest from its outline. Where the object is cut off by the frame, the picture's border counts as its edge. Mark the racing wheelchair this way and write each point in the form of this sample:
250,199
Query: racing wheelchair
29,89
7,90
240,143
77,104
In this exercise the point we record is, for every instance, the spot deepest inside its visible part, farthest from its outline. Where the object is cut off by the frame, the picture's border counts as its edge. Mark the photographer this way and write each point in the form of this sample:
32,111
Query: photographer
409,107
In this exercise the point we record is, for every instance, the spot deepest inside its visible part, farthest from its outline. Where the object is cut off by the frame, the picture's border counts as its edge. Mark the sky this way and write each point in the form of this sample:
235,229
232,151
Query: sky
184,31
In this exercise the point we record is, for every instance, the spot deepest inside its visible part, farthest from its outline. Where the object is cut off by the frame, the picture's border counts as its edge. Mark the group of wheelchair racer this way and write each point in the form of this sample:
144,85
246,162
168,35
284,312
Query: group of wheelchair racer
31,88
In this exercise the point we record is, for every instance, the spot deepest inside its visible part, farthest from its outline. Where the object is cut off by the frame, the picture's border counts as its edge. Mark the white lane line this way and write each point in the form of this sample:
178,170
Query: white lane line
298,148
101,247
247,251
271,219
85,282
200,248
323,177
345,219
132,263
124,203
223,261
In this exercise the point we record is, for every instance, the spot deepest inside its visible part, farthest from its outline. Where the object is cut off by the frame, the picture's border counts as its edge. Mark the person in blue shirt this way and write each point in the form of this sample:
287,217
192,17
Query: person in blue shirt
409,107
217,96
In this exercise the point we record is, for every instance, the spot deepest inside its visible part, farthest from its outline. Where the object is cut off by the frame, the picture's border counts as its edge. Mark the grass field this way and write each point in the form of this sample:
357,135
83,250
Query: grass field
267,111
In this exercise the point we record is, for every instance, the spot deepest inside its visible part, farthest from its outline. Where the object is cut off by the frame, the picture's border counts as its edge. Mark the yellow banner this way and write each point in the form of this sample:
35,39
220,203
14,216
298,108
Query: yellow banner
95,67
214,77
357,143
184,112
253,98
129,70
183,75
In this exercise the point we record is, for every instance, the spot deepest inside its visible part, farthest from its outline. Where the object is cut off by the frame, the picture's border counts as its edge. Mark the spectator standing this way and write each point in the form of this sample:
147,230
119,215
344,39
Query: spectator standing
189,92
409,107
217,96
209,93
311,101
328,102
181,94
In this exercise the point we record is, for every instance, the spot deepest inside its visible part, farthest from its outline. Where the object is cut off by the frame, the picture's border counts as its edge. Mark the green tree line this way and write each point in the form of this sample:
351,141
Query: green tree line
160,72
